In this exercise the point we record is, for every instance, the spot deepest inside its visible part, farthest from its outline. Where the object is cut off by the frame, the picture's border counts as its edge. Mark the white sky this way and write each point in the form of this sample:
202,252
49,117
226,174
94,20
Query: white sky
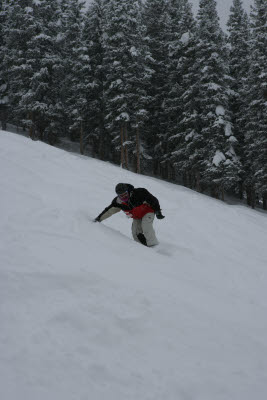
223,8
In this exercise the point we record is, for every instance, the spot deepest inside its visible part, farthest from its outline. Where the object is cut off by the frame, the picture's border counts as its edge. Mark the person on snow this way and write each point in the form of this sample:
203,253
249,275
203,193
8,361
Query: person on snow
139,204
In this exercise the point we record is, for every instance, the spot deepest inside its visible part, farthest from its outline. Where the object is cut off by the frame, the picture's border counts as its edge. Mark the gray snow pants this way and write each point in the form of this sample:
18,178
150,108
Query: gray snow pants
145,226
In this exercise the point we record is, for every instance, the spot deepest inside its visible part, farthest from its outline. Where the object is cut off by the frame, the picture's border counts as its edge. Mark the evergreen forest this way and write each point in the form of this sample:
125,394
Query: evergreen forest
146,85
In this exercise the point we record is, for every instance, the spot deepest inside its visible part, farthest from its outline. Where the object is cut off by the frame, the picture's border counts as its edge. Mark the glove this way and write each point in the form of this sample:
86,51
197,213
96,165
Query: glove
159,215
97,219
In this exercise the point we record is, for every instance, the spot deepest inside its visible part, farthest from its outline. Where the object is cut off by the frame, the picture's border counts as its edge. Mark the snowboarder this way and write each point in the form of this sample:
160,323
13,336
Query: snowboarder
139,204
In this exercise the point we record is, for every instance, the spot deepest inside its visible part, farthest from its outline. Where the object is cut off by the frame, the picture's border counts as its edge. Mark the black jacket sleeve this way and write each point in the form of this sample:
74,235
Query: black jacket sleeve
153,201
150,199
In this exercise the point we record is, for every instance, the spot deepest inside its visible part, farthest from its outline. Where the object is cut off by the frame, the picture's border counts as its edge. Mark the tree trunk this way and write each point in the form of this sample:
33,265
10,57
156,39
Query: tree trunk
189,180
3,117
214,192
122,147
264,201
41,134
138,169
222,193
31,130
81,139
197,176
185,179
102,140
31,127
241,191
248,191
155,167
125,147
170,171
253,198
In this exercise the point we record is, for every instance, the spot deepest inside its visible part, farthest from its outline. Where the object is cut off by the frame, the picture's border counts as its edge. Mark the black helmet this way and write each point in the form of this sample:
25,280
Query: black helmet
121,188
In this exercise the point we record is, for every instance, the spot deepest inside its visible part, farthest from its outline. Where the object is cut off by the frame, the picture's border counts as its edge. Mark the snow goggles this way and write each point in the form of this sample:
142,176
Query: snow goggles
124,196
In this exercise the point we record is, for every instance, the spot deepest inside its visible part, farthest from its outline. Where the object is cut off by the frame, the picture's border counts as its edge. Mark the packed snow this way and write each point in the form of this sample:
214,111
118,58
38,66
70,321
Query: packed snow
228,129
87,313
185,38
220,110
218,158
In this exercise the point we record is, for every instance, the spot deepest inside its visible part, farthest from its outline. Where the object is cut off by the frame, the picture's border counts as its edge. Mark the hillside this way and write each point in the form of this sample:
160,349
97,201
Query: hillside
87,313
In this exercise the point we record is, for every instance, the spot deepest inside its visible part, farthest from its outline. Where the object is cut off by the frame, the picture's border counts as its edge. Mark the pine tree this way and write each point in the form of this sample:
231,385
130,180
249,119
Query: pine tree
173,99
238,40
76,68
93,32
214,156
126,75
3,71
181,93
256,119
156,19
20,28
181,27
116,62
42,98
138,81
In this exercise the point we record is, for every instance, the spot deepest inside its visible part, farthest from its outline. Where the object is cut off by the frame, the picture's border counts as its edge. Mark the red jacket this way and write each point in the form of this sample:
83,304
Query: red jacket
139,212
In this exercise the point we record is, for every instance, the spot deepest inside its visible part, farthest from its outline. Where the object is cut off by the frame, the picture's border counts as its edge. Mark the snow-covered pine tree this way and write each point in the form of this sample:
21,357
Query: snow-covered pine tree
173,100
238,39
116,63
97,135
214,149
256,117
65,49
181,94
19,29
44,60
3,71
76,67
156,20
138,80
126,78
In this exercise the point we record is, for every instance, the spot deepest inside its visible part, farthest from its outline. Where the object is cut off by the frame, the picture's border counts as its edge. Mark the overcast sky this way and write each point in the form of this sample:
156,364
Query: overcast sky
223,7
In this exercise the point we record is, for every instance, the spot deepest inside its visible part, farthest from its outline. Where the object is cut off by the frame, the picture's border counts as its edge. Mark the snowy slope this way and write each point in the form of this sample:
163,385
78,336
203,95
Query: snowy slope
87,313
